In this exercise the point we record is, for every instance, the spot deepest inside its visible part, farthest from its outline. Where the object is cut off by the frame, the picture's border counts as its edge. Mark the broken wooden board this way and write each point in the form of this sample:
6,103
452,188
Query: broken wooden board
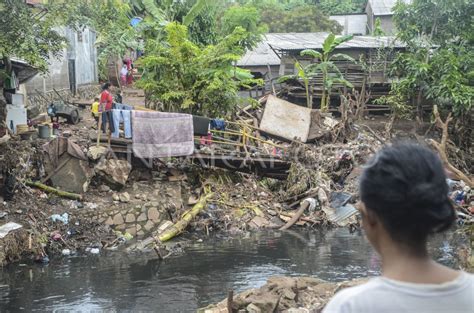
286,120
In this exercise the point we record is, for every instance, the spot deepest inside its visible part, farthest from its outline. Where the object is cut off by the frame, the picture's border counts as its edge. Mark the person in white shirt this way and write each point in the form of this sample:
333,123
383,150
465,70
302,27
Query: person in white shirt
123,75
404,199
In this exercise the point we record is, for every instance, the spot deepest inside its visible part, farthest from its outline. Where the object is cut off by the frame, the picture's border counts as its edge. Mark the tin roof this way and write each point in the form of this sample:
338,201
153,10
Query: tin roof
262,54
301,41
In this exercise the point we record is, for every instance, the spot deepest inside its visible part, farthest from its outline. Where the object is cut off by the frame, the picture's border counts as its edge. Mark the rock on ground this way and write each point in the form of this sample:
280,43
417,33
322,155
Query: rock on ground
284,294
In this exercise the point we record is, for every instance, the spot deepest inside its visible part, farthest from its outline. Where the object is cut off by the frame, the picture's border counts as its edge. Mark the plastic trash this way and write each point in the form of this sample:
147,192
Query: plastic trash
127,236
66,252
42,259
56,236
62,218
94,251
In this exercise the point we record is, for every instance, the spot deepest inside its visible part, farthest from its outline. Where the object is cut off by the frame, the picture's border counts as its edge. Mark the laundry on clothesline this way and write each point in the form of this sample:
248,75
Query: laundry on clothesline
159,134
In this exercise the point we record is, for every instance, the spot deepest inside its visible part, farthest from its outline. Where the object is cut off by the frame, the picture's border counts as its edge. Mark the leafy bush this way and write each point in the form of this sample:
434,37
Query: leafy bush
185,77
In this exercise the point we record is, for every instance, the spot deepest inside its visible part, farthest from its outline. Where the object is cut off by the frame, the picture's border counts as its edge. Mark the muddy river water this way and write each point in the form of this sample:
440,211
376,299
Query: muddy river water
203,274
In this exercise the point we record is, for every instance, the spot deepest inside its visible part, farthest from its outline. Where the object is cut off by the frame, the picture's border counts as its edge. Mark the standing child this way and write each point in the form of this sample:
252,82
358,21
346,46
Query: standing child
95,109
123,74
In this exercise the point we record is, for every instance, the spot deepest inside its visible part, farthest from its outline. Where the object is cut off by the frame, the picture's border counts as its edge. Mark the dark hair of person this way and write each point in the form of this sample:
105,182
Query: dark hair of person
96,99
405,186
106,86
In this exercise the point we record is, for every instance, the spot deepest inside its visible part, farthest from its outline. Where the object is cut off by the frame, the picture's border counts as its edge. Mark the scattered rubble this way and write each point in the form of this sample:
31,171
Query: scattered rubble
283,294
104,203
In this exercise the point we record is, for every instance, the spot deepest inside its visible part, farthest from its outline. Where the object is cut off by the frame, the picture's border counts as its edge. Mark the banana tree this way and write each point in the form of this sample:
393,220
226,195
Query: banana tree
164,11
303,75
330,72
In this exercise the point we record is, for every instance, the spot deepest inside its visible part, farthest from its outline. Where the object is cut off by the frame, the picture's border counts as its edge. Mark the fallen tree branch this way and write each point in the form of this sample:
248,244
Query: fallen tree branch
302,218
64,194
187,217
441,147
382,141
303,206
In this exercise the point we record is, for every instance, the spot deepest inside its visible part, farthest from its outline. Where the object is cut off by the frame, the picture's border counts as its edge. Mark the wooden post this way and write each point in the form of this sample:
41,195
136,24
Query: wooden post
230,300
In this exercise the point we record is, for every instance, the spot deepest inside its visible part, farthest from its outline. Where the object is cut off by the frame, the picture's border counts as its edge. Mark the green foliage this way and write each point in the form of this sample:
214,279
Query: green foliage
200,16
378,31
326,66
304,75
243,16
30,34
397,100
303,18
337,6
115,36
342,6
185,77
438,63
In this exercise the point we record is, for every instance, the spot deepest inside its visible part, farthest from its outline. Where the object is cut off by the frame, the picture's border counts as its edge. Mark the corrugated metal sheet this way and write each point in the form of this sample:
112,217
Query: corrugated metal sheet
352,23
301,41
260,55
383,7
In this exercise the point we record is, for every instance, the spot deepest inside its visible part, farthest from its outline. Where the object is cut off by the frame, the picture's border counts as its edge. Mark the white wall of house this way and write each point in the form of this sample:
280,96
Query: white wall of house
86,57
82,52
57,76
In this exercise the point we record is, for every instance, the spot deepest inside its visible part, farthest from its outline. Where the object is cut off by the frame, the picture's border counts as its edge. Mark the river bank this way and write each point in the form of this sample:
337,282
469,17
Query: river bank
122,203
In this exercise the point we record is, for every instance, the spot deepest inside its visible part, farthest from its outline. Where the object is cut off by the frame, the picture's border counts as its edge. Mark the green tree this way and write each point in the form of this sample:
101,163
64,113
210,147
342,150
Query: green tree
342,6
304,18
325,66
378,31
185,77
115,35
438,63
198,15
337,6
30,33
303,74
330,73
246,17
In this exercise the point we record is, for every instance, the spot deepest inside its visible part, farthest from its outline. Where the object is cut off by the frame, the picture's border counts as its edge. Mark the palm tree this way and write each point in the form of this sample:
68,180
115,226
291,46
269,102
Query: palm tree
330,72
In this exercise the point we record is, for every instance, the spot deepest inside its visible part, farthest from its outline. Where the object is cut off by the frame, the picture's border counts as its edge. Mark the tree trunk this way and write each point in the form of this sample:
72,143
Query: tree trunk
308,99
324,107
58,192
117,73
3,104
419,105
303,206
187,217
442,147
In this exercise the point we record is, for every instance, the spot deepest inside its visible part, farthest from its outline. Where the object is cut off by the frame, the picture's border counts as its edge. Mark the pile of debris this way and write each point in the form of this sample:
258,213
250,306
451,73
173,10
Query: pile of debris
279,170
283,294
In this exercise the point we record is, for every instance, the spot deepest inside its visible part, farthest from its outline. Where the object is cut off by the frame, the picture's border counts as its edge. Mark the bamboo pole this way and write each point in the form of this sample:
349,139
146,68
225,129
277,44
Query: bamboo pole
186,218
65,194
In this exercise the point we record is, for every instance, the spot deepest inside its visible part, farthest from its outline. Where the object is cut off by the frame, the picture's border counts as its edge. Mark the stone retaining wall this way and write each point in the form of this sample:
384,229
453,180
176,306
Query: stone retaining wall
138,221
37,104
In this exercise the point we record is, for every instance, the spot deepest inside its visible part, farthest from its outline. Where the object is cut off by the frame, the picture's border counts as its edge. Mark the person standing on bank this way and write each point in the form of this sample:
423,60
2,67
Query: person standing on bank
106,103
404,199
